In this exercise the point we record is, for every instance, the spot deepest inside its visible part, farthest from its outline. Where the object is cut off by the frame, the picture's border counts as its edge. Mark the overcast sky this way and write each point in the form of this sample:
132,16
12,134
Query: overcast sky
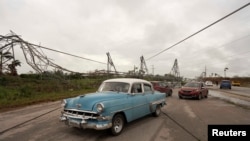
128,29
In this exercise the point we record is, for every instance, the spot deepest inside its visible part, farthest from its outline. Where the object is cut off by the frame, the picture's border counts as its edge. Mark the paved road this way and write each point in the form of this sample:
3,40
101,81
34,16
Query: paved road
181,120
242,91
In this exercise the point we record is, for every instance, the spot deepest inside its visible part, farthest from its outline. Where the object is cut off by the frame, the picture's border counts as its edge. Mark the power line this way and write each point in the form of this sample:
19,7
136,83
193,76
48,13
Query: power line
216,47
69,54
200,30
54,50
230,57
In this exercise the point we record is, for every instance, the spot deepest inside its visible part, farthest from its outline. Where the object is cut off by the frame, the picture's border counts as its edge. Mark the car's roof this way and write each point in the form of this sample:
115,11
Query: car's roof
127,80
194,82
156,81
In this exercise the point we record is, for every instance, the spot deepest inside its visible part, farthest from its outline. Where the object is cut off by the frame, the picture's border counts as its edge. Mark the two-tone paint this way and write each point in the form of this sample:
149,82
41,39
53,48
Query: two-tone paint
97,110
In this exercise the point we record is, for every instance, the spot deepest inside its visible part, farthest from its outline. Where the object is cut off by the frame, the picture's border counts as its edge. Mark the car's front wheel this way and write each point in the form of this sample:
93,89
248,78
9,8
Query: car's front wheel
199,97
180,97
117,124
206,95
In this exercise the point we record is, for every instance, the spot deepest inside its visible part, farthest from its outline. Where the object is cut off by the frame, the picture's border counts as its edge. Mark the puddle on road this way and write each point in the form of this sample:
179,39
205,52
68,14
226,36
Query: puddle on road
230,99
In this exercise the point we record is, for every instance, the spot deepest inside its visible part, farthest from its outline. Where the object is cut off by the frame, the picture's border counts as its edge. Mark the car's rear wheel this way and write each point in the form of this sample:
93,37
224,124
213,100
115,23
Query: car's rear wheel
170,93
117,124
206,95
157,111
199,97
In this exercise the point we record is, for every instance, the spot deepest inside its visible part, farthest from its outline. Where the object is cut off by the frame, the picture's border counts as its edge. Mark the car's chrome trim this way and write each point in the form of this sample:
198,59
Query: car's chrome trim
78,116
158,102
125,109
84,124
84,117
76,110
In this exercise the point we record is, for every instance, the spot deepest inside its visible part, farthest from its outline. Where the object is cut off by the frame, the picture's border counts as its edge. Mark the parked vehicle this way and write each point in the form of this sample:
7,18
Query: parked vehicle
162,87
209,83
235,83
193,90
225,84
116,102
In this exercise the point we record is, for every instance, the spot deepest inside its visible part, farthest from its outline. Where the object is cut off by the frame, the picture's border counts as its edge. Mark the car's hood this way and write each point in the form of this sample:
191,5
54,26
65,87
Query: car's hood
87,101
188,88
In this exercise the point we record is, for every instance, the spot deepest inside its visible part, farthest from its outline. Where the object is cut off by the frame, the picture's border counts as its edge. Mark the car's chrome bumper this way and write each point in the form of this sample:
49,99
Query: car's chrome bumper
80,122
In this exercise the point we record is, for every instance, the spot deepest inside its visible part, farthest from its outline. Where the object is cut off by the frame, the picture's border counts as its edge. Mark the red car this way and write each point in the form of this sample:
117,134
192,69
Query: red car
193,90
162,87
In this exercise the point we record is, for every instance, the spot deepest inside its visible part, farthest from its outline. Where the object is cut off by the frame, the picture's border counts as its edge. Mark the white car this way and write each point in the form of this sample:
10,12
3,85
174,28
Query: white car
209,83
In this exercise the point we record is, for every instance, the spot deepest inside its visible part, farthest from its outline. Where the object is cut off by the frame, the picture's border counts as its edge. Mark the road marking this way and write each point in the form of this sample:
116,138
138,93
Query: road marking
189,111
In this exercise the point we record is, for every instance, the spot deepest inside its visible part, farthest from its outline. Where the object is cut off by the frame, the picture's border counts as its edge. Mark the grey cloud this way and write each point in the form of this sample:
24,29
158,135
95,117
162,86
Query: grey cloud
131,28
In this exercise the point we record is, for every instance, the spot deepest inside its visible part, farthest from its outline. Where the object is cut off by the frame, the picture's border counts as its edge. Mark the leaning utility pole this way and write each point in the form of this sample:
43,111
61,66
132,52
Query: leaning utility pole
143,67
110,64
175,71
33,54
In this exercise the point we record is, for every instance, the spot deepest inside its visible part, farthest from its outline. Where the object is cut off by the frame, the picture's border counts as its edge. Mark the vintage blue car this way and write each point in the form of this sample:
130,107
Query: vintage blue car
117,101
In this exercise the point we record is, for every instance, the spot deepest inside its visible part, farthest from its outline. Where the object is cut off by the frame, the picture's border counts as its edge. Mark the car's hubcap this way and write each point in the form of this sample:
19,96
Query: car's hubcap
118,125
158,110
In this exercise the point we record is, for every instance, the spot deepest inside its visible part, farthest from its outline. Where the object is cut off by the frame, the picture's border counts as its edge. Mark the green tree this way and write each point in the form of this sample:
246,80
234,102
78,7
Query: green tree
4,58
12,67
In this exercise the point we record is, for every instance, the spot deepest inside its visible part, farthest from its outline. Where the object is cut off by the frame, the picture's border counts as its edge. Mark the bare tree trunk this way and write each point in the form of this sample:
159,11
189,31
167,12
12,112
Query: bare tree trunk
1,64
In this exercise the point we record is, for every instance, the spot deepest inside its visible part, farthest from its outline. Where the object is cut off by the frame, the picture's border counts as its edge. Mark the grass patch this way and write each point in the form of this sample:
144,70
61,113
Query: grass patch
18,92
15,100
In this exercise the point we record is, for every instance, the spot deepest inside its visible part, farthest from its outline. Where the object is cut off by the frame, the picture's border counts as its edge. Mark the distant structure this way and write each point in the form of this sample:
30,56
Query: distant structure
204,74
175,69
143,66
110,64
176,73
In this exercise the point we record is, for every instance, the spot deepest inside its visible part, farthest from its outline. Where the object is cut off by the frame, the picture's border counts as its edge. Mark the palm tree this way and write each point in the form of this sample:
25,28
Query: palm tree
225,71
4,57
12,67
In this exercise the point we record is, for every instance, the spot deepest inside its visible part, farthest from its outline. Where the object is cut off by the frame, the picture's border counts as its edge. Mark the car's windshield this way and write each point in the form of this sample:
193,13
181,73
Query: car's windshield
163,84
114,86
225,81
192,85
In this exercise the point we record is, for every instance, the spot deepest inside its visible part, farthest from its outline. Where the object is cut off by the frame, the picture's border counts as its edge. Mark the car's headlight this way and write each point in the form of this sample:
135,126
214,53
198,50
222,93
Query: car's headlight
64,103
100,107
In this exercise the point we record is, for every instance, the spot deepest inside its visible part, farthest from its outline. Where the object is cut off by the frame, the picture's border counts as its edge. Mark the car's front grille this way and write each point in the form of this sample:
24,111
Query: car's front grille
187,91
78,113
